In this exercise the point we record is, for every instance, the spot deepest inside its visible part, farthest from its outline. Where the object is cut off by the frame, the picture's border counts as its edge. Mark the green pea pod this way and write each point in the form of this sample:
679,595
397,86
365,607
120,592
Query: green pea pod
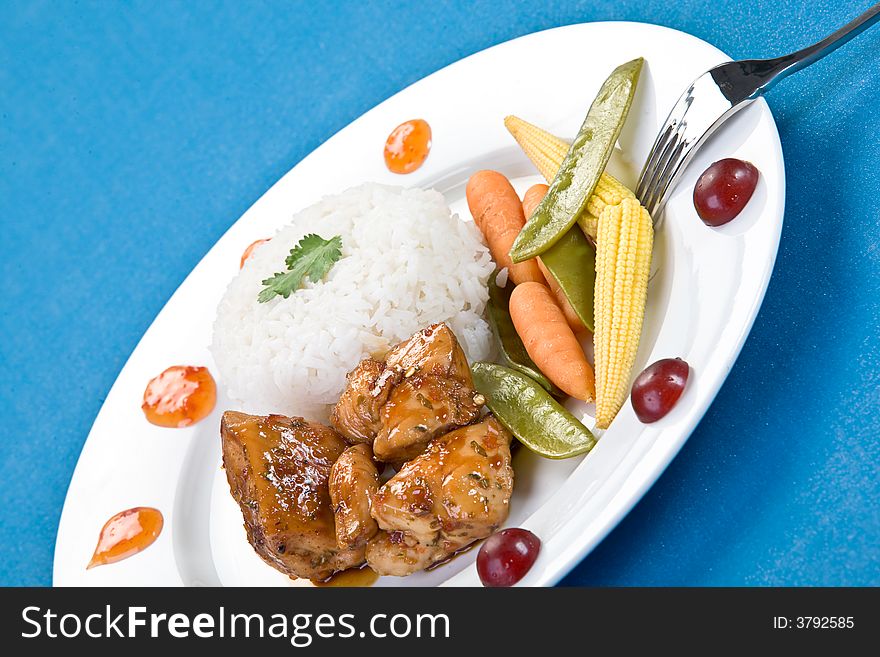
582,166
572,262
512,348
533,416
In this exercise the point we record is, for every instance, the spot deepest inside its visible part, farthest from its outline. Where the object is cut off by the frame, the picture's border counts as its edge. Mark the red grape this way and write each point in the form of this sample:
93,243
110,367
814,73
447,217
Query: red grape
507,556
657,389
723,190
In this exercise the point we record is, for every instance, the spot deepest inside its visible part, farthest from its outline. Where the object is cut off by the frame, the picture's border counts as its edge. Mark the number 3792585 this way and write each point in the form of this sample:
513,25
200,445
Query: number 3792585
814,622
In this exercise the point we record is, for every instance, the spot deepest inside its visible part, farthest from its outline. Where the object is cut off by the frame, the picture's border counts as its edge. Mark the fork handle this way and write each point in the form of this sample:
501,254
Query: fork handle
763,73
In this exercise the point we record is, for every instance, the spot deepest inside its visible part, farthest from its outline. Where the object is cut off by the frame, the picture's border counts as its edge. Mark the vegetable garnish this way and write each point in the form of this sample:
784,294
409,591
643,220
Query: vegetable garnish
572,264
547,152
529,412
583,165
498,213
549,340
623,264
582,274
312,257
570,269
531,199
512,348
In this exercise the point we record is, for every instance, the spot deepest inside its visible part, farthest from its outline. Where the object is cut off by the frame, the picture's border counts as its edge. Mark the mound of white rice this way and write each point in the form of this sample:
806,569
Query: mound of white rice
407,262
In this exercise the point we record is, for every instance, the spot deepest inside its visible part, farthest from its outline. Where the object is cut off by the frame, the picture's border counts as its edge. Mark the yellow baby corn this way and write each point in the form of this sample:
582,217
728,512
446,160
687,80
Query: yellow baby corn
589,225
609,191
546,151
623,264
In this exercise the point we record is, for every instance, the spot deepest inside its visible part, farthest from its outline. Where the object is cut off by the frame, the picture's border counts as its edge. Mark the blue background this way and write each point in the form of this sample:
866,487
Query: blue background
133,135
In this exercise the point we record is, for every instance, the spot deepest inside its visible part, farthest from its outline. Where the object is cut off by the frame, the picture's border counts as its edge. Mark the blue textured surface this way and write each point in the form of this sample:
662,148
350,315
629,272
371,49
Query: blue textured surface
132,135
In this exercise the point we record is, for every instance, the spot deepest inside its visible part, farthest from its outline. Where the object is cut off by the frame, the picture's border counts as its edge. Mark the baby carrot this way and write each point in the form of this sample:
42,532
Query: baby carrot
550,341
532,198
498,214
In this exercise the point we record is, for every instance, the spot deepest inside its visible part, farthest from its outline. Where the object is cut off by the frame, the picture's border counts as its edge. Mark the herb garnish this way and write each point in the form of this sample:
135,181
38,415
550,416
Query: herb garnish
312,257
478,448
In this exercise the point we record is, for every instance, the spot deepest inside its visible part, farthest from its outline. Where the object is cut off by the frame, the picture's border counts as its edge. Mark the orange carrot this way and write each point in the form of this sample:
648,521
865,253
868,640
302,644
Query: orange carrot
532,198
550,341
562,301
498,214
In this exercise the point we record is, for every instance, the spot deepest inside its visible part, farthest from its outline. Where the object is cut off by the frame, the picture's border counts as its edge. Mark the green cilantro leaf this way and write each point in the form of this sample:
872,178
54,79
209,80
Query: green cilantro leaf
312,257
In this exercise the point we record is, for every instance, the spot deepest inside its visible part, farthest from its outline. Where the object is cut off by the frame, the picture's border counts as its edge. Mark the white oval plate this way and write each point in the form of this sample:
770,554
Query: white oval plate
702,302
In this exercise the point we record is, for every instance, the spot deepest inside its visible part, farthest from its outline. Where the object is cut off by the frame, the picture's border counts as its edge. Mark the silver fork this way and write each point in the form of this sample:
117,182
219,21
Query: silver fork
717,95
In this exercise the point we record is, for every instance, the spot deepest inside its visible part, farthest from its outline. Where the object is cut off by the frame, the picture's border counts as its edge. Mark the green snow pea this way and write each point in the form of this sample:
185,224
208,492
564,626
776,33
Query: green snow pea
572,262
582,166
537,420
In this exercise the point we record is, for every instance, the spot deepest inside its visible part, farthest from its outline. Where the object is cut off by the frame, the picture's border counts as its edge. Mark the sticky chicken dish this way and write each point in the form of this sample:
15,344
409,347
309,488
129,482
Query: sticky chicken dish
314,498
409,461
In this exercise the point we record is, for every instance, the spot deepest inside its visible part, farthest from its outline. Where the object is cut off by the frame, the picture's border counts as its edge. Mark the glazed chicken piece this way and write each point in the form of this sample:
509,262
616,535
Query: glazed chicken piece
389,554
419,408
422,390
278,469
456,492
357,413
353,480
435,350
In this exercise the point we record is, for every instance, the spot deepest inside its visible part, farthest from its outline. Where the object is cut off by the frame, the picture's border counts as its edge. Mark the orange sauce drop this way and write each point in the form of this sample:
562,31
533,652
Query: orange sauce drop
248,252
126,534
407,146
180,396
353,577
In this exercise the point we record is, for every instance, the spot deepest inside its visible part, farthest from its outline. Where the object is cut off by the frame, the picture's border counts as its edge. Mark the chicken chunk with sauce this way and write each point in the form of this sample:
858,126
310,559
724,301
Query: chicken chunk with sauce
419,408
357,414
423,389
456,492
353,481
434,349
278,470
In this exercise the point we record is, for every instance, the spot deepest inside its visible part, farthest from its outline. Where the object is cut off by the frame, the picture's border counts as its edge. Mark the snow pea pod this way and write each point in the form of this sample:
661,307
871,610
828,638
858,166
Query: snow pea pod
582,166
572,262
537,420
512,348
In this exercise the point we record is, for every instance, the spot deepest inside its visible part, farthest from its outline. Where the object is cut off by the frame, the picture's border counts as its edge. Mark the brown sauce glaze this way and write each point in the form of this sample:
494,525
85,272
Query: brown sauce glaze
353,577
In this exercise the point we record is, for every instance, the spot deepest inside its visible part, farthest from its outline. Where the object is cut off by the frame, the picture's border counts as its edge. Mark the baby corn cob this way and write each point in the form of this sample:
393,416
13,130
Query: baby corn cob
623,263
609,191
546,151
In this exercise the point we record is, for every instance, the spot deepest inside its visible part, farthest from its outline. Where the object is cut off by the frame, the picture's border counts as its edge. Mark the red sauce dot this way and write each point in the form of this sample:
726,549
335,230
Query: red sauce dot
407,146
126,534
249,251
180,396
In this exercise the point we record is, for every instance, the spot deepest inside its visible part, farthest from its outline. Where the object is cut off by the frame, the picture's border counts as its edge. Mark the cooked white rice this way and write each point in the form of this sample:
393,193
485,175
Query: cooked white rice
407,262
